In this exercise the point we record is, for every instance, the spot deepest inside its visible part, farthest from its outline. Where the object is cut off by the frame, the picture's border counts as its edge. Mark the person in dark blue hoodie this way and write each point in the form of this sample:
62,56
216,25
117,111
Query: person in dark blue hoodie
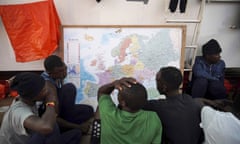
208,73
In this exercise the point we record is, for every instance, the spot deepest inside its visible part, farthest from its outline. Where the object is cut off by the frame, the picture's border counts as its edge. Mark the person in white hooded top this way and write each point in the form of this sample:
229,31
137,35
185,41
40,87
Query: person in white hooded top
221,122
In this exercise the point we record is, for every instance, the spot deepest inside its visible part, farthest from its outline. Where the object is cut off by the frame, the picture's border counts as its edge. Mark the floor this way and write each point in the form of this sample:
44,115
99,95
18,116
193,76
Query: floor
85,139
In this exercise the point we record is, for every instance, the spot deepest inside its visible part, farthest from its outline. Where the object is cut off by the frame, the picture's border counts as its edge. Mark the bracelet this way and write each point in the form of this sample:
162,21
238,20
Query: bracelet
51,104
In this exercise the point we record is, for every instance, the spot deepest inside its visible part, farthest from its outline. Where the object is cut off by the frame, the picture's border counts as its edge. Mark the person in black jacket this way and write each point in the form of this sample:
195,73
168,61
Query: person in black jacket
71,115
179,113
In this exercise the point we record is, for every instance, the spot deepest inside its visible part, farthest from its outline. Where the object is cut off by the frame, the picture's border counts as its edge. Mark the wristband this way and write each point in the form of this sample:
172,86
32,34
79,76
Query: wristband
51,104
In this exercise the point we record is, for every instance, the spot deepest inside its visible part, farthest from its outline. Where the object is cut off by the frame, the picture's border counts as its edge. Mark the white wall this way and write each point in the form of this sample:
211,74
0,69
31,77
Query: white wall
217,19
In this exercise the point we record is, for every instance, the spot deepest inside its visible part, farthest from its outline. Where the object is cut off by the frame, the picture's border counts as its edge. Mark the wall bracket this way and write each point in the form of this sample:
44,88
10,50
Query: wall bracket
145,1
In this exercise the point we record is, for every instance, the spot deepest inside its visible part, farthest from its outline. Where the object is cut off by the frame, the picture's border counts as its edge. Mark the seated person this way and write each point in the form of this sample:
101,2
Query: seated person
71,115
128,123
21,123
179,113
221,121
208,73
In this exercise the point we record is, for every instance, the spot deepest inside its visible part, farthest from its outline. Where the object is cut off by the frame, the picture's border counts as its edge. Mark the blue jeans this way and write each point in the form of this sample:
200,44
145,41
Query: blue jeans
210,89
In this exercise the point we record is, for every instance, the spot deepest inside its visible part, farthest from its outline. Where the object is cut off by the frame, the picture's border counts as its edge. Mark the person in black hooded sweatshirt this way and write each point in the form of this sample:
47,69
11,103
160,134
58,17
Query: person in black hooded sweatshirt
179,113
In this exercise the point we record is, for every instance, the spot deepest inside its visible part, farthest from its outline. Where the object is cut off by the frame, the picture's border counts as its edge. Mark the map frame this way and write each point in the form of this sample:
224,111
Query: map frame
75,57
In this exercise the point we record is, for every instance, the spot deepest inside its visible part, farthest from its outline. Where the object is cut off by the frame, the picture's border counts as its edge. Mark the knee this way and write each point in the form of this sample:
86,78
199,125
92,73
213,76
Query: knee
89,109
85,109
69,87
67,95
217,87
200,81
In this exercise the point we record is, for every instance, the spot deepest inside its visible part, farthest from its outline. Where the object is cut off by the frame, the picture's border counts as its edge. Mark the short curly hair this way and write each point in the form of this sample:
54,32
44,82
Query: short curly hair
28,84
171,76
135,96
51,62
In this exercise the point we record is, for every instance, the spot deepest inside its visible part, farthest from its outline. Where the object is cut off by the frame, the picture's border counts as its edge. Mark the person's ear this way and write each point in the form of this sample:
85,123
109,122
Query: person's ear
122,103
164,88
48,72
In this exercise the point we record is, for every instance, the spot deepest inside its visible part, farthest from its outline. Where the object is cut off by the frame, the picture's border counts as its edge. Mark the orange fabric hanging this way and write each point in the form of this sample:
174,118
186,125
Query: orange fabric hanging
33,29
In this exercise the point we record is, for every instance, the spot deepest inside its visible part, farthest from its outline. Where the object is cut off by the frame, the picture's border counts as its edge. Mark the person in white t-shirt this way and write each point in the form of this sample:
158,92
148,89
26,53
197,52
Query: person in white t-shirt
22,124
221,122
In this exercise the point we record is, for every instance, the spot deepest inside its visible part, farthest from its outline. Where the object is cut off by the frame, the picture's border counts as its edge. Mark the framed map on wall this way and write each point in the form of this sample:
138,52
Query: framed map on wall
96,55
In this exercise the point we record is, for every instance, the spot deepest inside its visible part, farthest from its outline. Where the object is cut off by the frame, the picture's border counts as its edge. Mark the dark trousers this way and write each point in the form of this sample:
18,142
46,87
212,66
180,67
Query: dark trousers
68,110
69,137
210,89
173,5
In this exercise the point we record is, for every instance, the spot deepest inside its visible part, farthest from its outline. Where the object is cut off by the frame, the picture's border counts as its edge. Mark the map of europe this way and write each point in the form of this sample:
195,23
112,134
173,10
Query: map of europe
96,56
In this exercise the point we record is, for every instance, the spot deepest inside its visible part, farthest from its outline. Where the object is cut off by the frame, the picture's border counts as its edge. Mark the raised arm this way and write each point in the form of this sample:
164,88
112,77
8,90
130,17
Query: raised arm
117,84
45,124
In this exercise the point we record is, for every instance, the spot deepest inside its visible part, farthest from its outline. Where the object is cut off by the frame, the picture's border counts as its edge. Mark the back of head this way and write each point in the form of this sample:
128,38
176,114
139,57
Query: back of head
28,85
135,96
52,62
171,76
211,47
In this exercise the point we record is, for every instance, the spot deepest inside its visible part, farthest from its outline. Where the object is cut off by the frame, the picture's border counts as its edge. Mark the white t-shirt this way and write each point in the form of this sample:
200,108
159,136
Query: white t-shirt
219,127
12,129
